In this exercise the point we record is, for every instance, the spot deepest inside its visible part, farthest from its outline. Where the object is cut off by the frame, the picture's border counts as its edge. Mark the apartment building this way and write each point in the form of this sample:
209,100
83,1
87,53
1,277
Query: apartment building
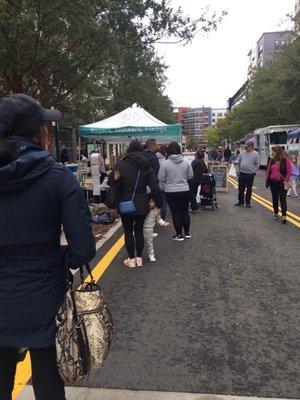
217,114
269,44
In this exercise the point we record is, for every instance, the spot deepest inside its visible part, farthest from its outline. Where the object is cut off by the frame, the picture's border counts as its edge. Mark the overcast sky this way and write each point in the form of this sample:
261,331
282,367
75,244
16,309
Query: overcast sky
211,69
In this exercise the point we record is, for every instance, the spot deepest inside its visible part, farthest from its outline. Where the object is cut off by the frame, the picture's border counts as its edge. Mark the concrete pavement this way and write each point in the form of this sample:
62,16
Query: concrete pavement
116,394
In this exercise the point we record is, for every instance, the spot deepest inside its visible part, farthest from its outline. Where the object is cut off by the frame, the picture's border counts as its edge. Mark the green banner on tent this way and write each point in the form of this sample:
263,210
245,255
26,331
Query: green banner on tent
168,130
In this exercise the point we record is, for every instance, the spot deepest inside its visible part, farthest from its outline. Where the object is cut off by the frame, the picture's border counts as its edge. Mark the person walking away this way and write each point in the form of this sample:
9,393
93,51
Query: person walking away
227,154
248,166
153,217
199,168
295,177
162,155
150,151
174,175
279,171
135,170
37,196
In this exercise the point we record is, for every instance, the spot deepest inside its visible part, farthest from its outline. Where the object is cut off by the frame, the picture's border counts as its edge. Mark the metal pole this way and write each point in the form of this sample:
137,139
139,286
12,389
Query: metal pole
56,136
79,159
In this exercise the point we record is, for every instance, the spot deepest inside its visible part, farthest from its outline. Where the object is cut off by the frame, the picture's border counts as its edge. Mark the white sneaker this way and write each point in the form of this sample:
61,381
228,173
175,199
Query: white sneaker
154,235
130,263
152,258
139,261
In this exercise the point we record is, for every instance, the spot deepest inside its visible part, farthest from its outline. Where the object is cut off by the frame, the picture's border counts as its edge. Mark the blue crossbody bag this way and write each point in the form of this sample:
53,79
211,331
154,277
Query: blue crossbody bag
128,207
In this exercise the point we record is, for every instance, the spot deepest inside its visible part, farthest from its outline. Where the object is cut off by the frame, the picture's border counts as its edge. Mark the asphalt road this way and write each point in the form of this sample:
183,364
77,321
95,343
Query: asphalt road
217,314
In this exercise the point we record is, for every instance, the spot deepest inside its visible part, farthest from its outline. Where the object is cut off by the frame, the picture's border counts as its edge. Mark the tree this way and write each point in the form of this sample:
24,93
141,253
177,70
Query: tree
191,143
272,97
62,52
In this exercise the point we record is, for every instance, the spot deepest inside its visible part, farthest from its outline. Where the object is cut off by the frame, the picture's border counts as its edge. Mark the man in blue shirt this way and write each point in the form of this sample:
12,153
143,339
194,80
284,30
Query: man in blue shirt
150,150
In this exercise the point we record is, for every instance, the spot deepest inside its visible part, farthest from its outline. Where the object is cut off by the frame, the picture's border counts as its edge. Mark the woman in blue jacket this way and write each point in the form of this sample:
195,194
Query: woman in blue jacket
37,197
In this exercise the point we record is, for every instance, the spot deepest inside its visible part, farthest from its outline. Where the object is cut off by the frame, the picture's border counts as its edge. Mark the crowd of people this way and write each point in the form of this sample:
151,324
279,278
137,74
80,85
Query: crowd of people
155,179
39,195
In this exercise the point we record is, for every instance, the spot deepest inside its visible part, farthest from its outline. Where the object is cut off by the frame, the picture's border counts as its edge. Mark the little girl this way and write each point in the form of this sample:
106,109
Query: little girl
294,177
152,217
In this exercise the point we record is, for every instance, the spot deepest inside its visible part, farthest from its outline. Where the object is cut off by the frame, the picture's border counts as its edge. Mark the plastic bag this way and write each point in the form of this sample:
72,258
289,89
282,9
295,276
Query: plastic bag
232,171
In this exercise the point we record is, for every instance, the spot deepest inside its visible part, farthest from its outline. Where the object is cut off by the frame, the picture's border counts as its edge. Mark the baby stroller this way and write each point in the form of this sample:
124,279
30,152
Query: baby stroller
208,194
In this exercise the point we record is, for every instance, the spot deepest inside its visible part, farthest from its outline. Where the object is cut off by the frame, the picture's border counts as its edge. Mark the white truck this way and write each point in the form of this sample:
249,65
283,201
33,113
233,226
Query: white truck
270,136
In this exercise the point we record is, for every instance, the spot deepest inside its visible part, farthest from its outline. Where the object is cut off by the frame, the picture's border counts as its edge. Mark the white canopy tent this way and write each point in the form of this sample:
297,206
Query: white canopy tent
132,123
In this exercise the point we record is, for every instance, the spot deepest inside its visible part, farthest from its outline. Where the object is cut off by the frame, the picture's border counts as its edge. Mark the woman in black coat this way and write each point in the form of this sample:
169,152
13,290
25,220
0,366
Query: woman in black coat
199,168
126,176
37,197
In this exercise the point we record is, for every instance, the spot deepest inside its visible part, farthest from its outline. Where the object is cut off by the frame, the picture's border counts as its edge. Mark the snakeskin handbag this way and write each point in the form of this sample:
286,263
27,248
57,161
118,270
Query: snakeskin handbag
84,330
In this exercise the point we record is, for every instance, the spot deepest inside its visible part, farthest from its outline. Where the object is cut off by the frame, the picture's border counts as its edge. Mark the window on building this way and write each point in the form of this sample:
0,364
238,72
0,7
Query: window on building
213,114
219,114
277,46
213,120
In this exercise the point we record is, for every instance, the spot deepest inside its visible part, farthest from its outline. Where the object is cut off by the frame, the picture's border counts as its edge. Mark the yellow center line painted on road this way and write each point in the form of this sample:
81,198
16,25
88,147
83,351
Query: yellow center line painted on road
23,373
268,205
292,215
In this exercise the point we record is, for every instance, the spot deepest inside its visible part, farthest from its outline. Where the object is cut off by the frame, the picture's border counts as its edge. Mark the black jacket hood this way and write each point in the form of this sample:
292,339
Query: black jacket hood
32,161
140,159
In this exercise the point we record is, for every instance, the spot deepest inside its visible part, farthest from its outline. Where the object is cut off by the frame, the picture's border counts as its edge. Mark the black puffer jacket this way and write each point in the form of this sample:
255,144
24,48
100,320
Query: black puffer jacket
37,196
129,168
199,168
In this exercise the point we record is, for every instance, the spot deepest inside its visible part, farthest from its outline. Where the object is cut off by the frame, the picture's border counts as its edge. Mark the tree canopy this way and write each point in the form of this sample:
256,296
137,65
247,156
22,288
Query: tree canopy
65,52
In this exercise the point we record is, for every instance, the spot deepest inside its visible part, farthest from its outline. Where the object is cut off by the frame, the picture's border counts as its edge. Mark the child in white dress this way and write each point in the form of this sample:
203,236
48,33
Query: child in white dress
151,219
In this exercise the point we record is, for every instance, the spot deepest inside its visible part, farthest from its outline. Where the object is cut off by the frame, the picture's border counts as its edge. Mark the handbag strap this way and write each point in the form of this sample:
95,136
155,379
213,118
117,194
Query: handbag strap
88,268
136,184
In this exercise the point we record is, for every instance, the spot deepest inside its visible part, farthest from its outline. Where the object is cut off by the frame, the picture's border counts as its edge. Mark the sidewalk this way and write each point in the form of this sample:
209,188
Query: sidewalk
110,394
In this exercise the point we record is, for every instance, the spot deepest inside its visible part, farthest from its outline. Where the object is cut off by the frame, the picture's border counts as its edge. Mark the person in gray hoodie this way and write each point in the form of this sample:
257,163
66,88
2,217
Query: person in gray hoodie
174,175
162,155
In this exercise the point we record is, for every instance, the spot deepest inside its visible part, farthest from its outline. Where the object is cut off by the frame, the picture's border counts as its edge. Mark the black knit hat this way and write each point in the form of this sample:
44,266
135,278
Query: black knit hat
19,113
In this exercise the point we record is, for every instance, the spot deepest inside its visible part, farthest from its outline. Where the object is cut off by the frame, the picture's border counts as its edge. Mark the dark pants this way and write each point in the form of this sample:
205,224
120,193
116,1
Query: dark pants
47,384
193,196
134,243
179,206
245,182
102,192
165,205
278,193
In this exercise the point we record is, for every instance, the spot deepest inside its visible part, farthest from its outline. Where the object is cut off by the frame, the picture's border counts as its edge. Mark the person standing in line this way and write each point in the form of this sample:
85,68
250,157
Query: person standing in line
153,217
135,170
220,155
227,154
162,155
199,168
295,176
174,174
213,155
248,166
150,151
38,195
279,171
